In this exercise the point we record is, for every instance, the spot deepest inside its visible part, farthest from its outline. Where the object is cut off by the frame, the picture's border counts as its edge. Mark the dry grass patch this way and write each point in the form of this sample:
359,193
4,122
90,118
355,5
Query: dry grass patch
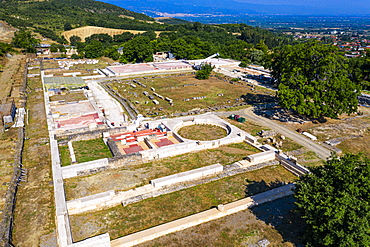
34,212
138,175
120,221
179,88
343,126
8,142
202,132
12,75
249,127
357,145
84,32
70,96
307,158
289,145
274,221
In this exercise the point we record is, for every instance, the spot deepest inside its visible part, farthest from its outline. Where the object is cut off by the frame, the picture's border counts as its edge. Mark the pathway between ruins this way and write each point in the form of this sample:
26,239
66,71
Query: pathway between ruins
248,113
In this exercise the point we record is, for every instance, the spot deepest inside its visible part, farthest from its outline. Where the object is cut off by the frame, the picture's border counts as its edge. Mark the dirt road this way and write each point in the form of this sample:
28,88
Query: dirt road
304,141
9,75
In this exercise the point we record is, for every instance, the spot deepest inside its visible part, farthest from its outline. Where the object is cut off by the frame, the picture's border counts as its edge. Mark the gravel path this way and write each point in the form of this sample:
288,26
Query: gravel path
304,141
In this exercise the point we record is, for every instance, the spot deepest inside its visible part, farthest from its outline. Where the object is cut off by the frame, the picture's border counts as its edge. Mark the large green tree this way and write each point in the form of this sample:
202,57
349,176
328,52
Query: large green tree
26,40
204,72
4,48
359,70
138,50
74,40
334,200
94,49
313,80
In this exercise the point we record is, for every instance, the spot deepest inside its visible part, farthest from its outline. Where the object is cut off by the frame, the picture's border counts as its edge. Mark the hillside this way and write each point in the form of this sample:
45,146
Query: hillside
170,20
84,32
50,18
58,20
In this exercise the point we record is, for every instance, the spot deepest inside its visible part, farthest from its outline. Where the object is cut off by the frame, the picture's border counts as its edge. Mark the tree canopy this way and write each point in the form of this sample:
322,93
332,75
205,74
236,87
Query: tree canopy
26,40
94,49
204,72
4,48
313,80
334,200
139,49
359,70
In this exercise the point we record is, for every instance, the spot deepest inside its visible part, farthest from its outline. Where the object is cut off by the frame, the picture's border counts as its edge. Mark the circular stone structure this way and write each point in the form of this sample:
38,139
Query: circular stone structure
202,131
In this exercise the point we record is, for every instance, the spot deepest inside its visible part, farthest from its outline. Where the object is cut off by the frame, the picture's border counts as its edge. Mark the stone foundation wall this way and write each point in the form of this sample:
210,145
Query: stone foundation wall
206,216
6,224
261,157
291,166
111,198
128,159
188,175
87,135
84,168
61,132
91,167
113,148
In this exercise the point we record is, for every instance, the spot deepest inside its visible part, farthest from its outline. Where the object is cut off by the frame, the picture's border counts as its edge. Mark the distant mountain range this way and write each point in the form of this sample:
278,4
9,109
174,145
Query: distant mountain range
179,8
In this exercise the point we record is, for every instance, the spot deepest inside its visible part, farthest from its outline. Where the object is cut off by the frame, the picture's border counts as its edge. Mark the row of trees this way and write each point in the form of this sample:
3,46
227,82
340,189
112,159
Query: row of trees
314,79
26,40
195,41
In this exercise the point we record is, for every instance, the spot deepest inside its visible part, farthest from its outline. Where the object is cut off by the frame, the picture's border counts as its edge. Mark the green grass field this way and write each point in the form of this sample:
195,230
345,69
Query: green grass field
91,150
65,158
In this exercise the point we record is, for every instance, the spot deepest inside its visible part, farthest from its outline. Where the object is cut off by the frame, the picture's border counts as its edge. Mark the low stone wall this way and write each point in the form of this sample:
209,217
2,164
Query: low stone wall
188,175
102,240
84,168
87,135
113,148
7,220
6,224
62,132
291,166
186,147
168,151
127,159
149,192
203,217
88,203
250,138
91,167
110,198
261,157
177,137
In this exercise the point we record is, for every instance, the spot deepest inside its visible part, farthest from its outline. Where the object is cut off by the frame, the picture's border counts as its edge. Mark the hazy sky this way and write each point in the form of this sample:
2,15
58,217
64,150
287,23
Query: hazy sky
316,3
314,6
